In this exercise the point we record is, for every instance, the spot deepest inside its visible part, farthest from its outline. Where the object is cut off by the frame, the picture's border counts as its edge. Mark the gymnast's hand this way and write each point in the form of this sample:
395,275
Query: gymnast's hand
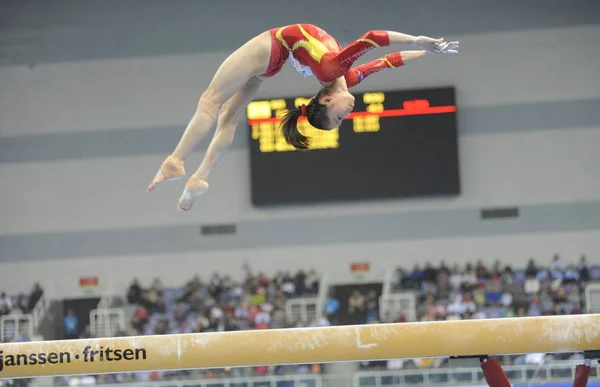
445,48
435,46
426,43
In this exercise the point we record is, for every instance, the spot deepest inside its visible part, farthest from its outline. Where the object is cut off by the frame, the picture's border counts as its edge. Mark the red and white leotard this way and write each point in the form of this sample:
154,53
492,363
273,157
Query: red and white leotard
314,51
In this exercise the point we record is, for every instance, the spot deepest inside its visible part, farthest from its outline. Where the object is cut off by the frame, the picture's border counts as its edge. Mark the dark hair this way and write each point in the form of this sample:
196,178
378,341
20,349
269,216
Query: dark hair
316,115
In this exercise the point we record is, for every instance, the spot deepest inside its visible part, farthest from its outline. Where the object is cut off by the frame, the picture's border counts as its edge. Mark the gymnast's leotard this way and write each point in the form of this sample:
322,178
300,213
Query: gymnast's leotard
313,51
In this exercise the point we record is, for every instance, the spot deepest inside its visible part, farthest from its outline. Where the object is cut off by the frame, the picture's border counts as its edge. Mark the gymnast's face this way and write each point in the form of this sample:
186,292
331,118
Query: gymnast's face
339,106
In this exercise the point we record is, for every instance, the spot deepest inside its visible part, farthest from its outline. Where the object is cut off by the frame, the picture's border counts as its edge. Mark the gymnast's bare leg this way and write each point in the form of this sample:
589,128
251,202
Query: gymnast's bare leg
237,70
226,125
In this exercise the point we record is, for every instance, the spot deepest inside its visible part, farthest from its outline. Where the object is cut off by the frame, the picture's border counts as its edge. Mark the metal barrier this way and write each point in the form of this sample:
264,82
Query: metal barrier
323,292
39,310
592,297
108,301
309,380
106,322
302,309
393,305
524,374
551,372
14,326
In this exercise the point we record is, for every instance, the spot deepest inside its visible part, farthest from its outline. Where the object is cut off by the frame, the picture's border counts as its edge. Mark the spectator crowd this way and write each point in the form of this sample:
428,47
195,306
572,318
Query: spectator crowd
217,305
477,291
18,306
21,303
481,292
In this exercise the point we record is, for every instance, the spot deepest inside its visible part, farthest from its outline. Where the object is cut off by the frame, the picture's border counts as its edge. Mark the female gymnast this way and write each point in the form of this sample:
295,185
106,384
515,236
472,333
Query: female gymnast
312,51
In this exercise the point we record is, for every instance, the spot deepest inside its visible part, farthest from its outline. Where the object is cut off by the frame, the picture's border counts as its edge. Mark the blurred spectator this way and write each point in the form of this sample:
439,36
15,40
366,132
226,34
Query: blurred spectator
480,270
134,294
582,268
35,296
532,285
557,265
372,306
71,325
469,278
23,336
531,270
356,303
86,333
571,275
300,283
37,336
430,277
331,307
456,278
6,303
312,282
494,289
507,298
415,277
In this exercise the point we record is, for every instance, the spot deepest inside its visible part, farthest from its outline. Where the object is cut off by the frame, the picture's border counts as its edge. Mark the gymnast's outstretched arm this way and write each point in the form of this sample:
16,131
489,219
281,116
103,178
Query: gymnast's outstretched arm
382,38
359,73
337,65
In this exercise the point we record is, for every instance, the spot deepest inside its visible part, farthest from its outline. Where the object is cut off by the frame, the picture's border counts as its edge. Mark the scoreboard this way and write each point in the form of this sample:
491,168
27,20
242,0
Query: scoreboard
395,144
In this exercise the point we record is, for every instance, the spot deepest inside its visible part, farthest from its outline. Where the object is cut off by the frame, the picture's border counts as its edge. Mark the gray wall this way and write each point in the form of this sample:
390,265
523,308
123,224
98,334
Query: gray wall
42,31
93,95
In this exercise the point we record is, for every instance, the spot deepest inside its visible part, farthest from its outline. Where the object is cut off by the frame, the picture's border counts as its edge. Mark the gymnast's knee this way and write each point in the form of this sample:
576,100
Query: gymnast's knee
229,114
209,105
224,138
226,127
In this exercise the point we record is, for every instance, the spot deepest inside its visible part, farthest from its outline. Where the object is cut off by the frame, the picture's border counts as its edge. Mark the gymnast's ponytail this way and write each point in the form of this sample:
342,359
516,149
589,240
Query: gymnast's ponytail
289,126
315,113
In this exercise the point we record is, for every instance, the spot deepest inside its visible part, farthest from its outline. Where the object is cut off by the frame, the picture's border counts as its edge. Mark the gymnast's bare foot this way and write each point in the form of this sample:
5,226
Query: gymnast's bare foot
170,170
193,188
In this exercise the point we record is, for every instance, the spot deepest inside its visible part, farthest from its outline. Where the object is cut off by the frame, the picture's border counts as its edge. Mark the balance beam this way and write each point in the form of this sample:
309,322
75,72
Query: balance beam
549,334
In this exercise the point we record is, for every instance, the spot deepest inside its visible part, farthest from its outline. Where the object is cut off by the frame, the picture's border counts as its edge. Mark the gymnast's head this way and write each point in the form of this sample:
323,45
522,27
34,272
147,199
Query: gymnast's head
325,111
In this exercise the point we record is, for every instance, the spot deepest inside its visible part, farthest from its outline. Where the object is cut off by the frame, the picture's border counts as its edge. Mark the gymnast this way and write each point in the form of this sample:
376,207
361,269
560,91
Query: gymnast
312,51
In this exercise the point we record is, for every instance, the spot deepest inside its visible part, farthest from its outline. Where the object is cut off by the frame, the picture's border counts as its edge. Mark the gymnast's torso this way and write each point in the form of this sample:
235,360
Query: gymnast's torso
304,45
312,51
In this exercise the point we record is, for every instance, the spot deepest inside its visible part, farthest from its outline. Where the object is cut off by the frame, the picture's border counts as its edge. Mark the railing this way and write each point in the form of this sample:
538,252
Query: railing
552,372
12,325
392,305
388,281
323,293
106,322
302,309
306,309
39,310
524,374
108,301
309,380
592,297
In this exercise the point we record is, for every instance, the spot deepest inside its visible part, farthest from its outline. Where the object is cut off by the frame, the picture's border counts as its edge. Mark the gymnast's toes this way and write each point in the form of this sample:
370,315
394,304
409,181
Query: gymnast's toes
171,169
193,188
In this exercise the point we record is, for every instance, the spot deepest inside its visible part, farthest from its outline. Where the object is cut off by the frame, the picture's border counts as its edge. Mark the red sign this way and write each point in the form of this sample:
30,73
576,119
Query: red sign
360,267
88,282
